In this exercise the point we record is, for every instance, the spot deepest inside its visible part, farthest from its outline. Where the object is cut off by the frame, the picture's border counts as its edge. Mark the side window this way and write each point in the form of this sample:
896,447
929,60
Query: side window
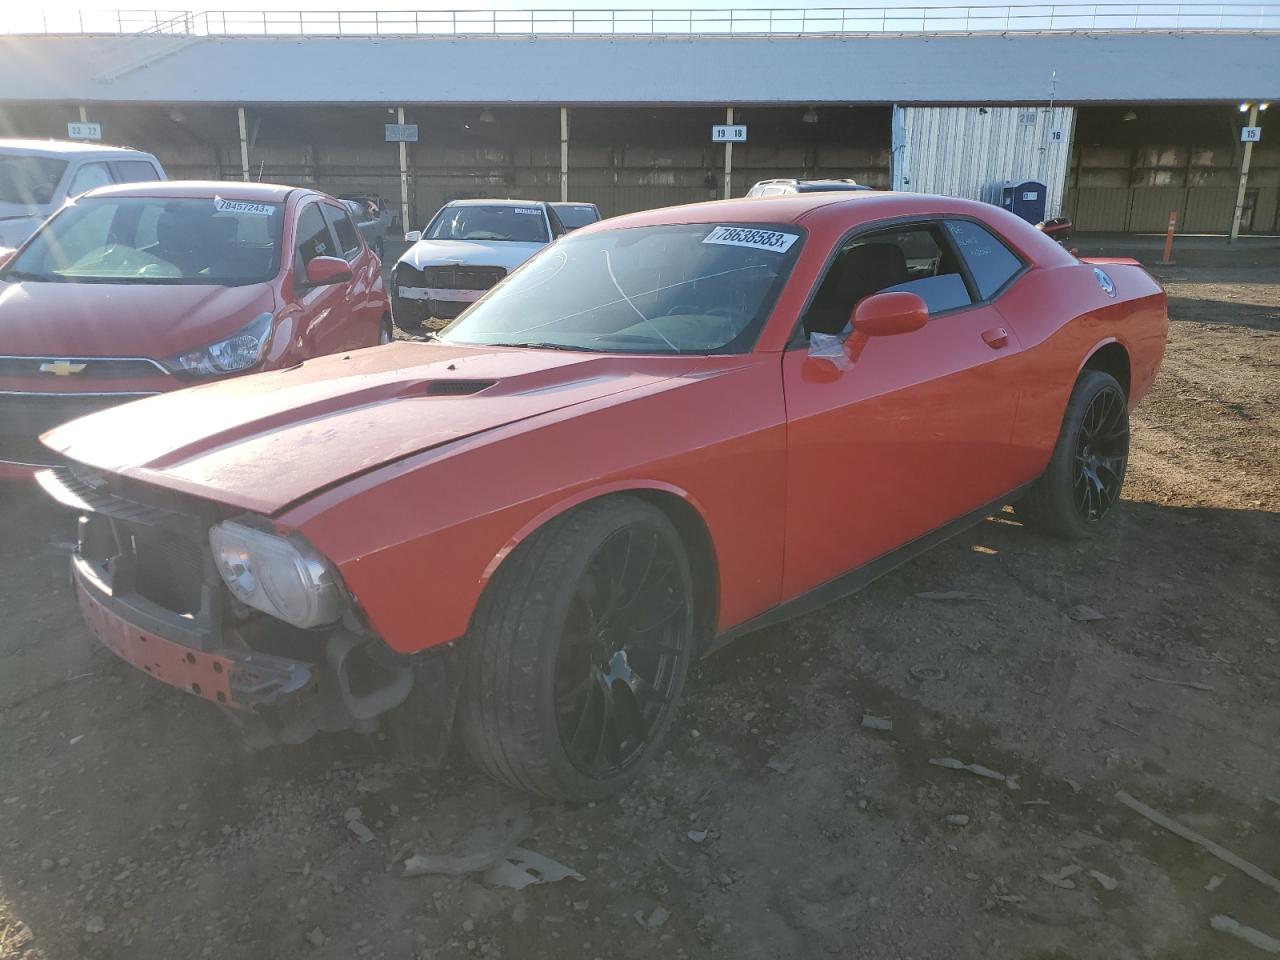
913,259
134,171
89,175
314,239
348,236
990,261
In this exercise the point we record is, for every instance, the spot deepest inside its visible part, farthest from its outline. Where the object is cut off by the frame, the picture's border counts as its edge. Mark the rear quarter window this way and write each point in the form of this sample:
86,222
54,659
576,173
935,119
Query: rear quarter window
990,262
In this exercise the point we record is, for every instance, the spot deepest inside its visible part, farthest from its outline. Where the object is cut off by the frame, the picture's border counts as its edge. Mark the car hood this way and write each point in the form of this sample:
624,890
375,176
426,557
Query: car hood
487,253
122,320
266,441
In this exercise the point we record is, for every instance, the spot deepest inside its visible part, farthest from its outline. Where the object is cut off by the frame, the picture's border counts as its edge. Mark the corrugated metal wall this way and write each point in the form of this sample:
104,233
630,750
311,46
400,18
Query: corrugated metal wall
1134,190
970,151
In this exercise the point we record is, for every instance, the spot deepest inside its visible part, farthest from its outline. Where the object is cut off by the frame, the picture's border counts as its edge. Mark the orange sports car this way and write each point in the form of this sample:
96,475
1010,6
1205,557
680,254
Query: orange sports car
663,431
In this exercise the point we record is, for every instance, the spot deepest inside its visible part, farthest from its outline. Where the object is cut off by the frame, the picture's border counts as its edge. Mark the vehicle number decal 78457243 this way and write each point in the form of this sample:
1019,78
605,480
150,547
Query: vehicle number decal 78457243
772,240
242,206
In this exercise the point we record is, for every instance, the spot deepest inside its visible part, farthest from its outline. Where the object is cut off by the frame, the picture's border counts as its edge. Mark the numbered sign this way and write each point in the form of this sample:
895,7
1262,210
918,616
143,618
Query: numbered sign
84,131
402,132
1057,135
726,133
1251,135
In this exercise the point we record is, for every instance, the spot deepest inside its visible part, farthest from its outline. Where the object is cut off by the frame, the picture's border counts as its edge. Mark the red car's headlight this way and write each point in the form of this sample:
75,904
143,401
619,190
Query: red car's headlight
240,351
276,575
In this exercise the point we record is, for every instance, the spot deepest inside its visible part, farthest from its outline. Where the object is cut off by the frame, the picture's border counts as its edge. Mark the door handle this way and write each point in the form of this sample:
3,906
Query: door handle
996,337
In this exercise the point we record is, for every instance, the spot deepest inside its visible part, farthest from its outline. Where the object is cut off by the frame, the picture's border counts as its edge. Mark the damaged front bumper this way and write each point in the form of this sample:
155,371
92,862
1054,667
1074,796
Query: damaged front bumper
145,581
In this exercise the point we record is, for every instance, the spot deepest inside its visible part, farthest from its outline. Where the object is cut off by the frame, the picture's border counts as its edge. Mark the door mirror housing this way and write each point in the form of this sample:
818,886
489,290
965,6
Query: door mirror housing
326,270
413,236
888,314
6,255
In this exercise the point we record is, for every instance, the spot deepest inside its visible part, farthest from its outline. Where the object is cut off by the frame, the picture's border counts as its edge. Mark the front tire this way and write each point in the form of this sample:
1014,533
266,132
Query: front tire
1075,495
578,652
406,317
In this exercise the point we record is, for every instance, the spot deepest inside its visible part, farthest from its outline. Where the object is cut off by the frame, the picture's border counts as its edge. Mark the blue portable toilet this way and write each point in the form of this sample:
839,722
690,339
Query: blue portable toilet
1025,199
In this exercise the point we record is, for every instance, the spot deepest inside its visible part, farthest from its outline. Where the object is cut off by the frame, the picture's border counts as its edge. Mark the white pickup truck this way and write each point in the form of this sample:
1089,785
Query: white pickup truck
467,248
38,176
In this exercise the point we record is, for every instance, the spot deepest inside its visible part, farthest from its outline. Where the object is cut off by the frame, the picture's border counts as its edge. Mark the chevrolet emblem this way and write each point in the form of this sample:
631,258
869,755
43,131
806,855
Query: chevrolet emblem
62,368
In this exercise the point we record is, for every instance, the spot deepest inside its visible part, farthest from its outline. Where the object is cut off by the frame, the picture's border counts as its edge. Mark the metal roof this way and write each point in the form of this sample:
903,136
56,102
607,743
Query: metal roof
881,69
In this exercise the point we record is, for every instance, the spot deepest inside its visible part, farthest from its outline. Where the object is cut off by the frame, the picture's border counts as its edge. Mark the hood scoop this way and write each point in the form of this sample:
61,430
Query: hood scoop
457,388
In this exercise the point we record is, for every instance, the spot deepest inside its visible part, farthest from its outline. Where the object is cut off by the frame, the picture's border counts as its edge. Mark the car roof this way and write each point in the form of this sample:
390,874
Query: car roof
572,203
62,148
815,185
504,202
865,206
199,189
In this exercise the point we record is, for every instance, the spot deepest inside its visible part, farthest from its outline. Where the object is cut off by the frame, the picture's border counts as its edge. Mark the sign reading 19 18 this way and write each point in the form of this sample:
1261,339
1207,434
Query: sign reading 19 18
729,133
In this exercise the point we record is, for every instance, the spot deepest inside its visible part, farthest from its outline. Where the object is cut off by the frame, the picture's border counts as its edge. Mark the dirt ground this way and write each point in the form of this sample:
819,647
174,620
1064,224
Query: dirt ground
133,824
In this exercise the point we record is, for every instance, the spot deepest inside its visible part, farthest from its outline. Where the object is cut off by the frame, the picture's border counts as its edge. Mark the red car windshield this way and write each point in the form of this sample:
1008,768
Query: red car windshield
687,288
158,240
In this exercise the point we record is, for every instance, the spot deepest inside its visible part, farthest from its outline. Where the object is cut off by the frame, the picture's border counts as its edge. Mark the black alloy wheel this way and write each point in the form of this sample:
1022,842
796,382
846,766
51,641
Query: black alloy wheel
618,666
1102,453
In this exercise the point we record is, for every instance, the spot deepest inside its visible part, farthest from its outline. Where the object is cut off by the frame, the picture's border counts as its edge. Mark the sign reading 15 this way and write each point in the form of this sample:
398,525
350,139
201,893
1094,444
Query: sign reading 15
729,133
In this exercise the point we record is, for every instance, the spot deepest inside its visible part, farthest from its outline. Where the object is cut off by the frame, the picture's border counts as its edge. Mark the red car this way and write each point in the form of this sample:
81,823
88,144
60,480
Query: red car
142,288
664,431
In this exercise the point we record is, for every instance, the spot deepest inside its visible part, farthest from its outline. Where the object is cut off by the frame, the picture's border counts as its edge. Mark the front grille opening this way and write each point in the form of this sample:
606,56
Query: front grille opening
169,570
462,278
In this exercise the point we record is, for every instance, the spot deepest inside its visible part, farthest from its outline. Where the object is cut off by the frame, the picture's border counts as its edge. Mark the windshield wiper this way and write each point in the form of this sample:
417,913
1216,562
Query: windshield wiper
541,345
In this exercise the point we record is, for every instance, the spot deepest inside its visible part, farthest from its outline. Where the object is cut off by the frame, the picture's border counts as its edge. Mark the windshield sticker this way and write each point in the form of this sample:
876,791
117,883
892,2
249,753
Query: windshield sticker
528,211
242,206
770,240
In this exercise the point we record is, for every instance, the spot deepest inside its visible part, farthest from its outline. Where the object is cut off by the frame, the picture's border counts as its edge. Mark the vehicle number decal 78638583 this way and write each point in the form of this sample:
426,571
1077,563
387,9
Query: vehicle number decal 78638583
772,240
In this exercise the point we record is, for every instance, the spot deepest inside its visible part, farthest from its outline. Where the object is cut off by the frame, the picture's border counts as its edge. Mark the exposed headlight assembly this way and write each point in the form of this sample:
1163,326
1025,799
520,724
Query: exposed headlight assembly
277,575
239,351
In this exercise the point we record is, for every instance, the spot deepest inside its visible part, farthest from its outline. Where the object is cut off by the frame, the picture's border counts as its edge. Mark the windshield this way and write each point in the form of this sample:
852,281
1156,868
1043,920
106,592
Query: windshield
475,222
574,215
690,288
30,180
156,240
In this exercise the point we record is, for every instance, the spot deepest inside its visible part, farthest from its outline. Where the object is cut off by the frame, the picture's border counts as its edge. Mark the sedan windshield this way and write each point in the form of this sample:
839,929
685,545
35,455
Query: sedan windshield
688,288
476,222
155,240
29,180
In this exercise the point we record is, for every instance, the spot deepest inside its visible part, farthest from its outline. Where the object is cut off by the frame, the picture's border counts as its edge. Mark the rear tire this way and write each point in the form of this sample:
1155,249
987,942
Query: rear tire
578,652
387,332
1075,495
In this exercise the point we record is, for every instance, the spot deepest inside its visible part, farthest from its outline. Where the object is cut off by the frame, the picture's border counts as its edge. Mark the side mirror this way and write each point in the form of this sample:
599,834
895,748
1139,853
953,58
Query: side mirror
887,314
5,256
413,236
325,270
